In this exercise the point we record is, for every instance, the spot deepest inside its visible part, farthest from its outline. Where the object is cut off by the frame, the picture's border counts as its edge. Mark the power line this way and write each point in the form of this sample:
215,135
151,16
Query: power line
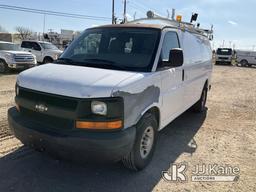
53,13
144,7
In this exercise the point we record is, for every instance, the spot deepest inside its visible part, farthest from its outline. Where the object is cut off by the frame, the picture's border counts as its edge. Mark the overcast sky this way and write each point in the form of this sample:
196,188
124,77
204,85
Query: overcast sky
233,20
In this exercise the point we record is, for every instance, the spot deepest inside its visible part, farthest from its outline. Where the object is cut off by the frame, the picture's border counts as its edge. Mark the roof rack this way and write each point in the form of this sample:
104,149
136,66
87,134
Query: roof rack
151,16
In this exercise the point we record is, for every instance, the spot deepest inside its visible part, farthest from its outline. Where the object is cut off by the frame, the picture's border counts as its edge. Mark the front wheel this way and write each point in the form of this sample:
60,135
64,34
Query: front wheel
144,146
47,60
3,67
200,105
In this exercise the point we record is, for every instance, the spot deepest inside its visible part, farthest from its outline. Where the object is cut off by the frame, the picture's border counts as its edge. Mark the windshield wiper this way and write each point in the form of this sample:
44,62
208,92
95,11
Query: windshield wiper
97,63
69,61
64,60
103,63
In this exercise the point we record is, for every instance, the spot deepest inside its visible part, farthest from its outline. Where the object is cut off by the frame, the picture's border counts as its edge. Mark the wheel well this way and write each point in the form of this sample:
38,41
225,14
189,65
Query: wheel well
206,84
155,111
48,57
244,60
2,60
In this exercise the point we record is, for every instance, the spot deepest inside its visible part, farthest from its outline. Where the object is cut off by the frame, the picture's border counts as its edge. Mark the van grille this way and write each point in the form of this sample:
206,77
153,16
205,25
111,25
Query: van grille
224,58
51,99
56,121
47,120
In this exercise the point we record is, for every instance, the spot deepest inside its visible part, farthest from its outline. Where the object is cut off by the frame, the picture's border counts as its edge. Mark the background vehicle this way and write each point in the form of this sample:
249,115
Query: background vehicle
113,89
12,57
45,52
224,56
246,58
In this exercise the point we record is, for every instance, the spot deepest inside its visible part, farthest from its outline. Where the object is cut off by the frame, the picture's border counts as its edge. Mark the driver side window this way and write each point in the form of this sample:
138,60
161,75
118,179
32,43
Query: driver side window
89,45
170,42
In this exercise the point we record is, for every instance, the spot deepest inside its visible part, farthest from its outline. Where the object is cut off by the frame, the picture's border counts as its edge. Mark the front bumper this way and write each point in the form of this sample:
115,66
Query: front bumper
21,65
78,144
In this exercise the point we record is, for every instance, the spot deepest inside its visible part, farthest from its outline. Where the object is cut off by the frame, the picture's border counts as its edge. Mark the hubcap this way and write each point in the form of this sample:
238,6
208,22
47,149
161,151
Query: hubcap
147,141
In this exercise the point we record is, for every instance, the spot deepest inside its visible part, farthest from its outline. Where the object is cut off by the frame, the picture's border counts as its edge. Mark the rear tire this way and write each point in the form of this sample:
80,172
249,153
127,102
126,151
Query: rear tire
200,105
4,67
244,63
144,146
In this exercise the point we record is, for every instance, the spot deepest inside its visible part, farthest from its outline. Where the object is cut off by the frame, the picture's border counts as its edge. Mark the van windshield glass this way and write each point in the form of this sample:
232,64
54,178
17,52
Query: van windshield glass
9,47
224,52
132,49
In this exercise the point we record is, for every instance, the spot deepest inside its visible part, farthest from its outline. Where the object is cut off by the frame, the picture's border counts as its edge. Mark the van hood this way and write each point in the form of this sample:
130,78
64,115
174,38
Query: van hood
73,81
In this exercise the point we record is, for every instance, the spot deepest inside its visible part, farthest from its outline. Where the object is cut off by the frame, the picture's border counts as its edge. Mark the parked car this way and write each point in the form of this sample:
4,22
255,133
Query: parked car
12,57
45,52
246,58
224,56
112,90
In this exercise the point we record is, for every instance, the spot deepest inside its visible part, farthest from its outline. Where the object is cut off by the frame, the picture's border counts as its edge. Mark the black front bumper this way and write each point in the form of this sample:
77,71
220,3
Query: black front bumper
107,146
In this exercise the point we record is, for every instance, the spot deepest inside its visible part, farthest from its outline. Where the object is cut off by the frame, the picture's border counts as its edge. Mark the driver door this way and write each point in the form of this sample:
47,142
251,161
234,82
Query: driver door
172,81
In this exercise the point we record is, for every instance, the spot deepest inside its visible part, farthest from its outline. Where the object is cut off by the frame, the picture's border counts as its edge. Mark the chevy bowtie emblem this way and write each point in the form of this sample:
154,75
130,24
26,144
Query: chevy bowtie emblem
41,108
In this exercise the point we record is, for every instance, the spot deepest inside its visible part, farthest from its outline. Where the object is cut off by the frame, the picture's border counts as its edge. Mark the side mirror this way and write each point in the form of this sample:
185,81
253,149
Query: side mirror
176,57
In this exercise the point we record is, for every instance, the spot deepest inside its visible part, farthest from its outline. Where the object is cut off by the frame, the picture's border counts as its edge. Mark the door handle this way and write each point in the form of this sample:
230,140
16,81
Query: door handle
183,75
29,51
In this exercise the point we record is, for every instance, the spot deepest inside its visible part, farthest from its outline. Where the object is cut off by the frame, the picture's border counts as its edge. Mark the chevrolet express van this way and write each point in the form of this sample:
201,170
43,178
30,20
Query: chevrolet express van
112,90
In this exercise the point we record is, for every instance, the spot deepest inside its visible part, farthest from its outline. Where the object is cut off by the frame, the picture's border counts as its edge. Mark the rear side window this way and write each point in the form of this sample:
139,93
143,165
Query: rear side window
170,42
26,44
31,45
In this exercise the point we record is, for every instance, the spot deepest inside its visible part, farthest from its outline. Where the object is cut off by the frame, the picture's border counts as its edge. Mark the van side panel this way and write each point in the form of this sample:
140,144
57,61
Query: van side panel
249,56
197,65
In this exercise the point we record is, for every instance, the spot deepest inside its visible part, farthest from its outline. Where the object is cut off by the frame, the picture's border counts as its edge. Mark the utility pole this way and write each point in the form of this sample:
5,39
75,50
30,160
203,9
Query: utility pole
125,19
44,24
113,12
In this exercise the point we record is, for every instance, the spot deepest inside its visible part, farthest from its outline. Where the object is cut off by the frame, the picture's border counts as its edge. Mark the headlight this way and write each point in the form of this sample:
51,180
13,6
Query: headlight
99,108
9,56
55,56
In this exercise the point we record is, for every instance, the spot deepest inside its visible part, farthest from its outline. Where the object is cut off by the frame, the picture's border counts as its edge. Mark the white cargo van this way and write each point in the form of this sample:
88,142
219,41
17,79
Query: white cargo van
45,52
246,58
112,90
224,56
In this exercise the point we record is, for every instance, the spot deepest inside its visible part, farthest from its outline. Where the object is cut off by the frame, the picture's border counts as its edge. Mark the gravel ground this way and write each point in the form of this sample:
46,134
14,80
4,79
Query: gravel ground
225,135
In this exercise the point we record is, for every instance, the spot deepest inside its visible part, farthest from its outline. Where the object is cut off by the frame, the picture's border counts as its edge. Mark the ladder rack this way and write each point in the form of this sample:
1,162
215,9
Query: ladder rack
173,23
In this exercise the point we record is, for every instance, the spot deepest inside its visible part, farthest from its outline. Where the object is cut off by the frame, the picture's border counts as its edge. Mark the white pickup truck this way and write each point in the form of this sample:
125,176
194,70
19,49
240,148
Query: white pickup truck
11,57
45,52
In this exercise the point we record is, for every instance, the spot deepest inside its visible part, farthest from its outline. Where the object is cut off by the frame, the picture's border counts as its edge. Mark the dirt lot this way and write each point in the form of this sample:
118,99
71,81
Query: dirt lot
225,134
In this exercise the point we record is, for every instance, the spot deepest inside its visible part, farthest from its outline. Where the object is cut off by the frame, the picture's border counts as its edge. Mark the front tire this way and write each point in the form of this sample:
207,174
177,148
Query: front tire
4,67
200,105
47,60
144,146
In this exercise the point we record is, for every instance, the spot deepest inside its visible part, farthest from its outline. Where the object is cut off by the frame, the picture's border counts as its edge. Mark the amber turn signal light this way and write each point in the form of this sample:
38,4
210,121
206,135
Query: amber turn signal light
99,125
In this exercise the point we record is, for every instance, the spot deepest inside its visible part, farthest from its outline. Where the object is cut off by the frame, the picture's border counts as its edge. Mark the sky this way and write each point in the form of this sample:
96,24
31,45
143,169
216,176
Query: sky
233,20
